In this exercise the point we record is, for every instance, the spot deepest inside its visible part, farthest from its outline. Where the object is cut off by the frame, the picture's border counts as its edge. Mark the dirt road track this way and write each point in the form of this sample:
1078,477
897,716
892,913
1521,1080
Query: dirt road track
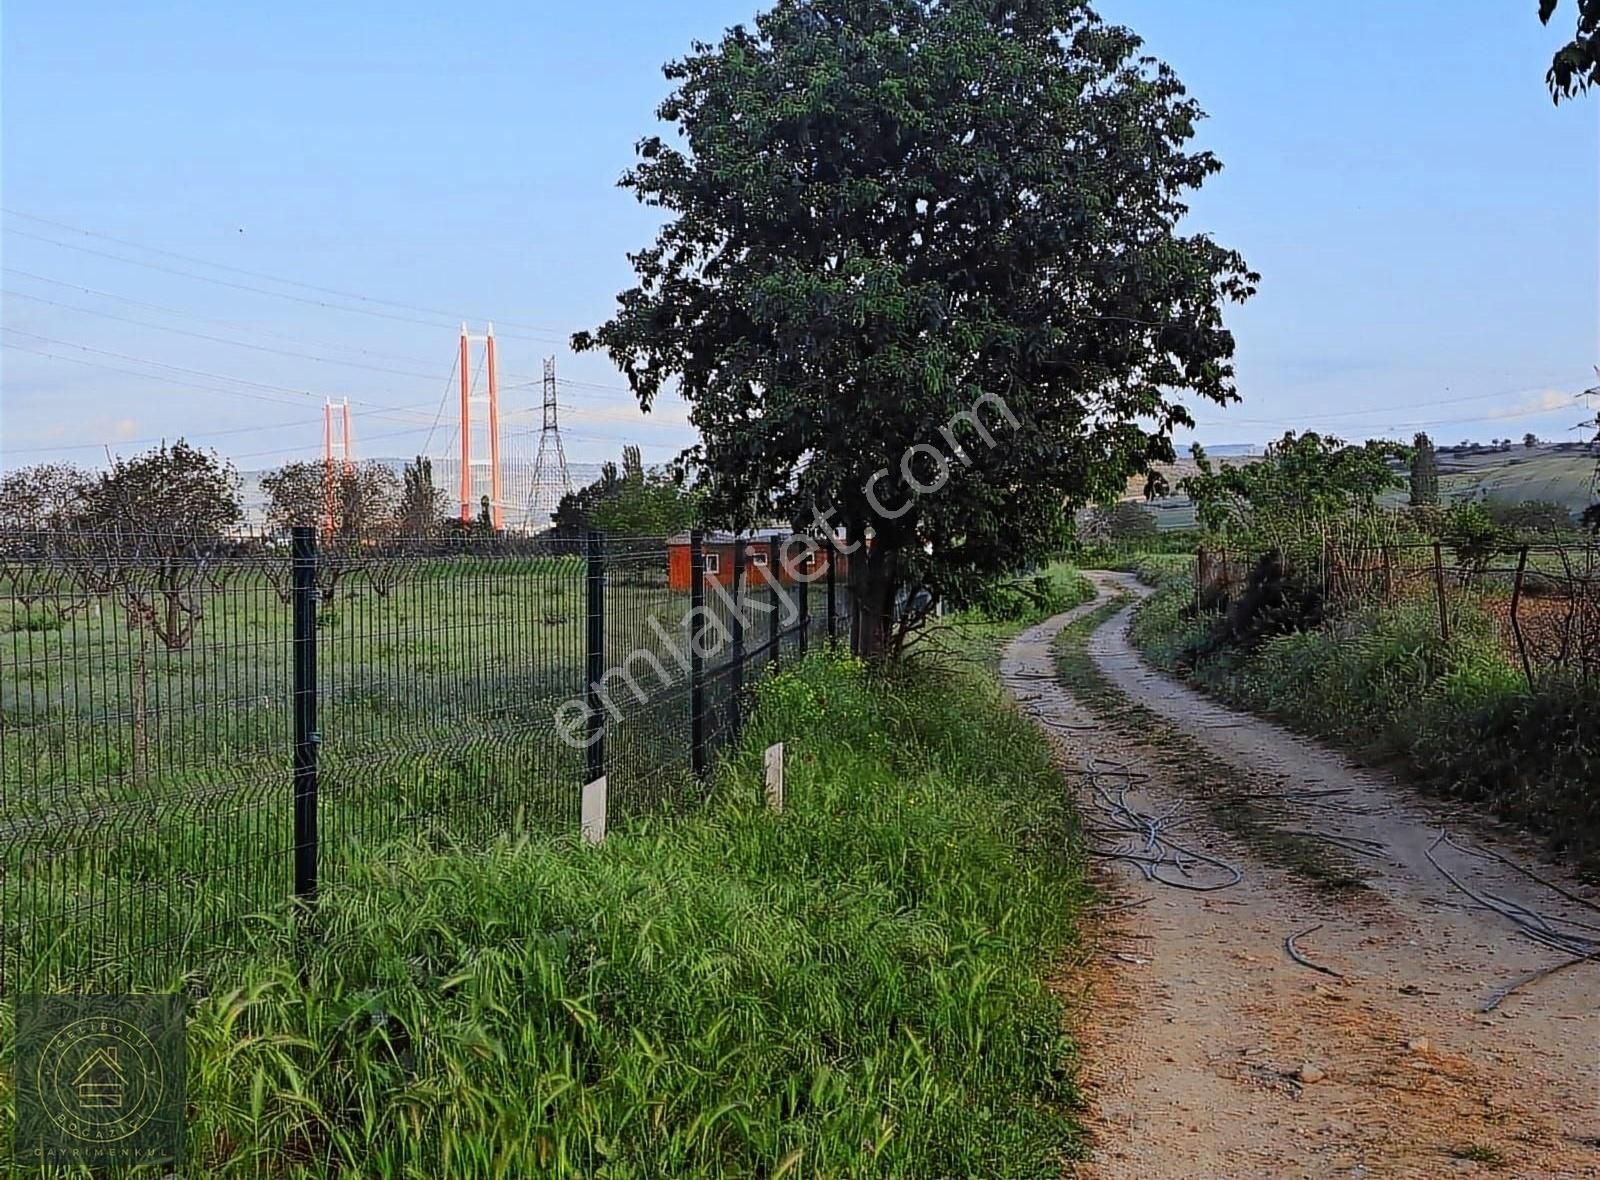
1211,1055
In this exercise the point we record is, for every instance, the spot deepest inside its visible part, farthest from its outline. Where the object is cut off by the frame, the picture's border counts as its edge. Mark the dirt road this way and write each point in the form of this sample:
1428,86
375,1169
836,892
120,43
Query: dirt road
1209,1051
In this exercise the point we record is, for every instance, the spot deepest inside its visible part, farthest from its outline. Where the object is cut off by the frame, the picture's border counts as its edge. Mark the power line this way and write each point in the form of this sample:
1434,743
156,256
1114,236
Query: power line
593,385
1388,423
322,303
213,339
434,311
204,319
232,325
143,442
291,450
444,400
378,410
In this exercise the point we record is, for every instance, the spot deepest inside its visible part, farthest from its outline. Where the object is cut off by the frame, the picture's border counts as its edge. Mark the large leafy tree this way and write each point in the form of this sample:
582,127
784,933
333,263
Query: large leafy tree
1576,65
44,496
365,497
174,490
884,213
36,503
366,503
153,532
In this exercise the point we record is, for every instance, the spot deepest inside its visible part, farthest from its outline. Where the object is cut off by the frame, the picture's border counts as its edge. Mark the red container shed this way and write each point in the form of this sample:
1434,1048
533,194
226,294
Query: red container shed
801,558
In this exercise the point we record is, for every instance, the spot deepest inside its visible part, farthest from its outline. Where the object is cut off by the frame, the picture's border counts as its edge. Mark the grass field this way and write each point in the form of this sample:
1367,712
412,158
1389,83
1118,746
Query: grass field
854,988
1540,473
146,791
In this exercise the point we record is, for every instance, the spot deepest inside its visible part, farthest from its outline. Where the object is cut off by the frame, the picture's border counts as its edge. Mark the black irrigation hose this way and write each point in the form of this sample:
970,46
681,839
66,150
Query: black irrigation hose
1143,838
1532,925
1294,952
1500,994
1353,844
1491,854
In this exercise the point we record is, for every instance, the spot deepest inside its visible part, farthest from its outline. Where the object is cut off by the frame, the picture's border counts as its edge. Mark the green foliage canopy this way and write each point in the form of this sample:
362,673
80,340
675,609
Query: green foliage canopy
422,502
1538,519
1304,489
365,496
43,496
884,213
174,489
1576,65
633,502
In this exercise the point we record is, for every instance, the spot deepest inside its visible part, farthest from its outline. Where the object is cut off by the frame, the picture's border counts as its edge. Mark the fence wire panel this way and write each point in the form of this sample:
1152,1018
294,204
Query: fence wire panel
194,731
439,680
1382,575
646,689
144,720
1557,614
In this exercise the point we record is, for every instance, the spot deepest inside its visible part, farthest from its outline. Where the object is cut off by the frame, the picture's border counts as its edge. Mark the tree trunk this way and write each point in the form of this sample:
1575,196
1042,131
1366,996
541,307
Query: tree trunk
872,592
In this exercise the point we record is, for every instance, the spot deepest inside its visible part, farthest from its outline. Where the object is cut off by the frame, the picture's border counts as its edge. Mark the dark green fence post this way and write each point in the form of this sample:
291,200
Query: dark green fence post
803,590
306,737
736,672
774,623
595,646
833,593
697,662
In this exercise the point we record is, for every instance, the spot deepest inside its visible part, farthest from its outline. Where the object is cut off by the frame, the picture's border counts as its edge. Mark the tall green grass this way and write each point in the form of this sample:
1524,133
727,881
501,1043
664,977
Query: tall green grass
855,987
1458,712
1057,587
1160,569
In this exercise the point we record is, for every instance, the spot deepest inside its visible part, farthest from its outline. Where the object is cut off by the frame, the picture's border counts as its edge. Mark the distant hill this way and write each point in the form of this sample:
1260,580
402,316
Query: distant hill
1560,472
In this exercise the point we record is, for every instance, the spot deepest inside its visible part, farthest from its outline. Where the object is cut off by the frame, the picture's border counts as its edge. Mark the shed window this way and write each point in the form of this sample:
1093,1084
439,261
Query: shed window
713,562
758,559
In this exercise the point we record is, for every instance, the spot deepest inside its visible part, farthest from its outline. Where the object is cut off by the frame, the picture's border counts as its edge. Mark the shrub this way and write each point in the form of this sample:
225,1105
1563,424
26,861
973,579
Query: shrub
1272,602
1125,520
1531,518
1016,600
33,619
1468,528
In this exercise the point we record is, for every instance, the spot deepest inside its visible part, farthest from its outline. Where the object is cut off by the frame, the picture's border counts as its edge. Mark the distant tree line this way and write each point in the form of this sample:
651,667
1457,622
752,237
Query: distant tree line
628,502
175,489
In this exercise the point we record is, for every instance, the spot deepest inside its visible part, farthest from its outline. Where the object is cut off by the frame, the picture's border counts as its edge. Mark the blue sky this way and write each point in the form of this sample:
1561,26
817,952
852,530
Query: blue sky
1425,221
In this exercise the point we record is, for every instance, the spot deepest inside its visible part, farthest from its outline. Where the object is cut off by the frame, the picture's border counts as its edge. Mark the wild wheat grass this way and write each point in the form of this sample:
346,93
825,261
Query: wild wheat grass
852,988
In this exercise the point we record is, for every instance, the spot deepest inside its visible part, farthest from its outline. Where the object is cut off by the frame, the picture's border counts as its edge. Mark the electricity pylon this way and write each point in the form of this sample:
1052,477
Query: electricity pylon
551,481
